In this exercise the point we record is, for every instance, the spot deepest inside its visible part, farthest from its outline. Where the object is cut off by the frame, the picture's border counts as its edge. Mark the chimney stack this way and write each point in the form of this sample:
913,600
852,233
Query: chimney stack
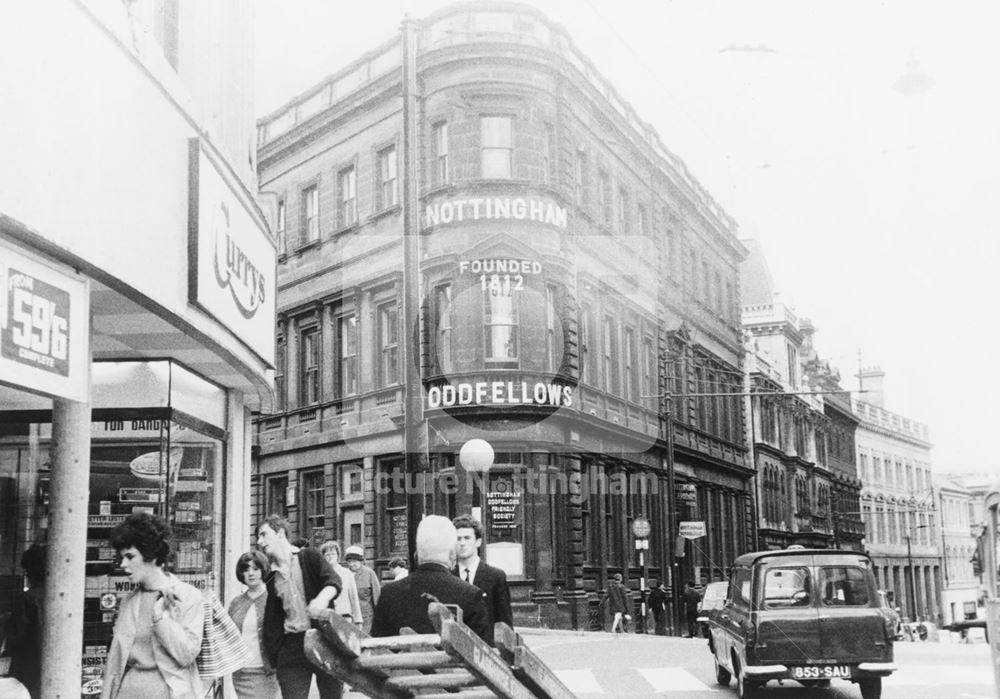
870,380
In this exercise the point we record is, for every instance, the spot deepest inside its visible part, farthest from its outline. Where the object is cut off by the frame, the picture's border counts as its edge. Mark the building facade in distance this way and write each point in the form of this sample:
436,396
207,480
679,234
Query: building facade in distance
960,504
578,310
897,502
802,439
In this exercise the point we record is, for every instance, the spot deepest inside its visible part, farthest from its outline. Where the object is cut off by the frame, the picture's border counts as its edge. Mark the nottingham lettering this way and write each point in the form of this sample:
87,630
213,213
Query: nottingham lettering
529,209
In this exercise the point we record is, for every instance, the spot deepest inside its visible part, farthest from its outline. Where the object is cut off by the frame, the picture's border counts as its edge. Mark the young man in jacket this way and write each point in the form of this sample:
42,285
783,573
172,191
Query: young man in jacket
300,587
619,603
472,569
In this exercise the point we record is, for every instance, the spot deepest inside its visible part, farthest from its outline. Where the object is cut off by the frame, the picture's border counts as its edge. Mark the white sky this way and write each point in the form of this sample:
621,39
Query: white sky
875,210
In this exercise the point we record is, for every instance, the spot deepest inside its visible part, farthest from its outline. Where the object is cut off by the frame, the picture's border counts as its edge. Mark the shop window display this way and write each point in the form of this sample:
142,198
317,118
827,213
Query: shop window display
137,464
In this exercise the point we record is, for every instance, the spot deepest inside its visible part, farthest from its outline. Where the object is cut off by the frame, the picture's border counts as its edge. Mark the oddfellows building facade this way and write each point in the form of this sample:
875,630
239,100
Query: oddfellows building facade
576,294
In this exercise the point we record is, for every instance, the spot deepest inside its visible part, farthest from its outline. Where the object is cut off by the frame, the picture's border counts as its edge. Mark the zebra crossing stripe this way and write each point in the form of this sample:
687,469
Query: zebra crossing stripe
579,681
666,679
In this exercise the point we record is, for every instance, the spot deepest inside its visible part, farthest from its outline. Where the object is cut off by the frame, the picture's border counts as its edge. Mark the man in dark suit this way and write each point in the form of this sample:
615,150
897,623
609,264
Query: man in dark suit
658,605
492,581
404,602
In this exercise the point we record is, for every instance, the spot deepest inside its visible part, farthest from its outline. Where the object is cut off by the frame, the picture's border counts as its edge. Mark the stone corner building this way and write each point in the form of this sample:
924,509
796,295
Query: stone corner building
803,430
574,281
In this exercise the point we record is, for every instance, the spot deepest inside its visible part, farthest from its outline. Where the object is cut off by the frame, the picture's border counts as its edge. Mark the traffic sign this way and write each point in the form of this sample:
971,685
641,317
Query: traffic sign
641,527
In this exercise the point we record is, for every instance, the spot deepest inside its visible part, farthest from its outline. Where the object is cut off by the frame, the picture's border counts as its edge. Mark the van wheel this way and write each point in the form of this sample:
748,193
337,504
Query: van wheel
871,688
722,675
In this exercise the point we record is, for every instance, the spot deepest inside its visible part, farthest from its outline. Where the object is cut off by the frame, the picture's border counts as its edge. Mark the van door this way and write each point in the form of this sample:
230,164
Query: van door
787,617
852,627
728,623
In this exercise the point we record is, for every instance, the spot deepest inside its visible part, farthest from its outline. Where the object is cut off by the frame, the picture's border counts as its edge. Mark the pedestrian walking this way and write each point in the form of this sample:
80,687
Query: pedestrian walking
158,631
367,582
619,604
404,602
398,568
658,605
691,599
257,679
472,569
24,629
347,604
300,587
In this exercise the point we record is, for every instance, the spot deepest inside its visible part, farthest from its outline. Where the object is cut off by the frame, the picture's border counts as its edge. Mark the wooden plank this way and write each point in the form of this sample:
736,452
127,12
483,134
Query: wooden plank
425,660
342,635
527,666
442,680
469,694
478,656
431,640
319,652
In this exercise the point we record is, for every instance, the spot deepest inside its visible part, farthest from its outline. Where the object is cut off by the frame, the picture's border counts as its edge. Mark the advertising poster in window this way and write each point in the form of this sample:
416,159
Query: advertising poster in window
505,524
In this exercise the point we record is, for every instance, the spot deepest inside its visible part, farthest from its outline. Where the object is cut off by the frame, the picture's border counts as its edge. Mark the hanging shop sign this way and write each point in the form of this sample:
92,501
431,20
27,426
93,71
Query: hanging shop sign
44,326
529,209
691,530
231,257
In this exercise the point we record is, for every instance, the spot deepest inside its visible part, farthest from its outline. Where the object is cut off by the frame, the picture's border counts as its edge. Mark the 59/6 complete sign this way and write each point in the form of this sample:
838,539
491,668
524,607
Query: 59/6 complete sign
44,329
37,329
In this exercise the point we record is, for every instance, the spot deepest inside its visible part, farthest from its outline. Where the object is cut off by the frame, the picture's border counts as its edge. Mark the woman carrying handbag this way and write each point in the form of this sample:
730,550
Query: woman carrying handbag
158,632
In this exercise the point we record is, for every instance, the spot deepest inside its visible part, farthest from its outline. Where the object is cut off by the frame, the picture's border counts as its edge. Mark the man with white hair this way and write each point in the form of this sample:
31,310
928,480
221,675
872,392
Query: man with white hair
404,603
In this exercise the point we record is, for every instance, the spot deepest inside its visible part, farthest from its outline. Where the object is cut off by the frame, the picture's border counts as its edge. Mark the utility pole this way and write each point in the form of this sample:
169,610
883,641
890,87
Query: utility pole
410,356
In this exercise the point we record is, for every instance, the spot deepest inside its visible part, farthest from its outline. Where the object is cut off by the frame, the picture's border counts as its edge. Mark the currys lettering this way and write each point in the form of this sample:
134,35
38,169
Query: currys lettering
234,268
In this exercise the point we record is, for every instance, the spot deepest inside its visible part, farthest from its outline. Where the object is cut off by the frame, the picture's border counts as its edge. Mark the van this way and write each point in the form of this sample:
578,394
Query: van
809,615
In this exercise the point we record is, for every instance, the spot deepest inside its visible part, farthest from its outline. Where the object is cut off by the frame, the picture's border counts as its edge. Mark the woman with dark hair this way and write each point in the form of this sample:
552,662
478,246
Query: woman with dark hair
157,634
257,679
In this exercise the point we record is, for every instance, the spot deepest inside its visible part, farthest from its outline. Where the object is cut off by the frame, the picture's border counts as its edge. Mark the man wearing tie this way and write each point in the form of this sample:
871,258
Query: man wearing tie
492,581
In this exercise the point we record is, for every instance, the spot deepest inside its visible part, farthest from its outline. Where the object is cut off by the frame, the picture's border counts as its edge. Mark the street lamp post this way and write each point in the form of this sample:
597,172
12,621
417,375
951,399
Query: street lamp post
913,577
909,565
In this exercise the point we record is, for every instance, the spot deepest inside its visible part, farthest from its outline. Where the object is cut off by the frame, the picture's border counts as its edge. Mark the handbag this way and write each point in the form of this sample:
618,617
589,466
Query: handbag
222,648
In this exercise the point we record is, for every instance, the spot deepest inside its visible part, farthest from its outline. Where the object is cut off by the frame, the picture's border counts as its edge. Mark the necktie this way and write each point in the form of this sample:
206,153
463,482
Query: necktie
466,575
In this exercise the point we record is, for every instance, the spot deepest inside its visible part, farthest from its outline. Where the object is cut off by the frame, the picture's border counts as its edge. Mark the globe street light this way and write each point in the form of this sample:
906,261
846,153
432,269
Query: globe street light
476,455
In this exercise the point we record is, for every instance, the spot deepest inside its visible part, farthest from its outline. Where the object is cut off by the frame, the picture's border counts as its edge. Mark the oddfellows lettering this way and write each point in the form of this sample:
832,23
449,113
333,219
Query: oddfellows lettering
500,393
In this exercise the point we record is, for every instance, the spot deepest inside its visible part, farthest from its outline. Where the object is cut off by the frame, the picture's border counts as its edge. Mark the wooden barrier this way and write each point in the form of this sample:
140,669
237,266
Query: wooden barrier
454,663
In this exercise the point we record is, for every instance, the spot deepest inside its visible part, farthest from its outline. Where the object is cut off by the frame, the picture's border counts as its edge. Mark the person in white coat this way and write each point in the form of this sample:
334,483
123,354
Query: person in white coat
347,604
157,635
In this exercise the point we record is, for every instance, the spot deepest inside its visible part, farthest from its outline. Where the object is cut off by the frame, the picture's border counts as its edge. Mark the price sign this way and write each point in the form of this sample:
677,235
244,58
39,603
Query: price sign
44,333
37,331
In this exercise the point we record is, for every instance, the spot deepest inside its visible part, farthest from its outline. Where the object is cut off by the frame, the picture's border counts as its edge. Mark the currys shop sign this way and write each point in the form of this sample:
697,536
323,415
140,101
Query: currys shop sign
231,257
